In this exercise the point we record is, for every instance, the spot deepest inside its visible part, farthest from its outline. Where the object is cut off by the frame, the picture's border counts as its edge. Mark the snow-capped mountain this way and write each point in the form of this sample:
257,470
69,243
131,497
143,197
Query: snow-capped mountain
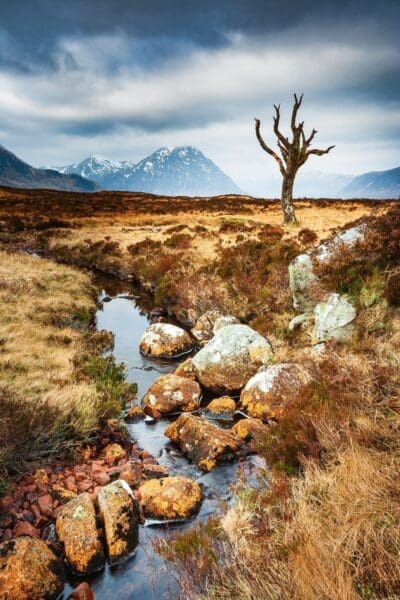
170,171
375,184
99,169
14,172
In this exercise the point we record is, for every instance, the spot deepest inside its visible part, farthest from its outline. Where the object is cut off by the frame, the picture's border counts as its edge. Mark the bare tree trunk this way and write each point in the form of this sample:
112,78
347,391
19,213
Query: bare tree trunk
287,199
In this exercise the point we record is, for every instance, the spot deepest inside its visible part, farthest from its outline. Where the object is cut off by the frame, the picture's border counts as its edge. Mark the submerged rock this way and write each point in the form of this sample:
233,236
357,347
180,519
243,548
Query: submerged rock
234,354
267,394
334,319
165,340
76,529
121,515
221,408
171,393
29,571
170,498
204,443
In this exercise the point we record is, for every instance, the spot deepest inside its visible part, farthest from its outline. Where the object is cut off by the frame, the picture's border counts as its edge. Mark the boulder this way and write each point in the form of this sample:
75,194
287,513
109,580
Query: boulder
170,498
267,394
301,269
120,512
204,443
233,355
334,319
171,393
300,322
203,329
29,571
76,529
164,340
221,408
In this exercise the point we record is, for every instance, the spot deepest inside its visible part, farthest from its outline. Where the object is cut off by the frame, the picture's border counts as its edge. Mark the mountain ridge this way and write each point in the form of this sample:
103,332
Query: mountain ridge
15,172
183,170
374,184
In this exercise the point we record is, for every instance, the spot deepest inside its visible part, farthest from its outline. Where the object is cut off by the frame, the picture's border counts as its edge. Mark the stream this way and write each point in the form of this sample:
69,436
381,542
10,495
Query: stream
125,311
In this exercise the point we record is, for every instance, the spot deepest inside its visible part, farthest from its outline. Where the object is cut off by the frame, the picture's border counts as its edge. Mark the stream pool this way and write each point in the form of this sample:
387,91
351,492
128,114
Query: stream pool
125,312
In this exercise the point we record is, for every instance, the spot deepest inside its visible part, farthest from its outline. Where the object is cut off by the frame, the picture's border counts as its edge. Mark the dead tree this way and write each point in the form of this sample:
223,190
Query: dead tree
294,154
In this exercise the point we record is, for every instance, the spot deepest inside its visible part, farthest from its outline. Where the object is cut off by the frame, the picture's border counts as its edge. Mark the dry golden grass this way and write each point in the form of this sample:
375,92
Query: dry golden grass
46,404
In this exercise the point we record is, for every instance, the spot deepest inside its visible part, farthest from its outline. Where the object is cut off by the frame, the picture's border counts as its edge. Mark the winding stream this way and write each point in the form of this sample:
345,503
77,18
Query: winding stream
125,312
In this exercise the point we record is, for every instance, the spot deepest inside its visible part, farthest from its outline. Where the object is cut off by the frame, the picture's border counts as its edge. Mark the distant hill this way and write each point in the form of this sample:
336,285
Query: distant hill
173,172
376,184
16,173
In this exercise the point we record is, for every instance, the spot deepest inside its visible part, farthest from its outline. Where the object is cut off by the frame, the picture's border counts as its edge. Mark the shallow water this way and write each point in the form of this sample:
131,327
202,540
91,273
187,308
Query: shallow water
145,576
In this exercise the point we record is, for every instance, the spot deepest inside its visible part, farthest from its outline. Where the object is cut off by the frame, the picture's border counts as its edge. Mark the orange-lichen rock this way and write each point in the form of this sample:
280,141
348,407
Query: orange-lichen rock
76,529
204,443
266,395
221,408
171,393
185,369
170,498
120,512
112,453
249,429
29,571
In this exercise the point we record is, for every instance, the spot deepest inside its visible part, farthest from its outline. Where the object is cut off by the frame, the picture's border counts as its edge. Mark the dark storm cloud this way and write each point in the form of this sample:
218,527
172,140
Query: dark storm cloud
122,77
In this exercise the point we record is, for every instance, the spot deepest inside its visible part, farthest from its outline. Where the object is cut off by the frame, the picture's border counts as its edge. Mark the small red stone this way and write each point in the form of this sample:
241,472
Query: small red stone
102,478
45,504
70,484
6,503
24,528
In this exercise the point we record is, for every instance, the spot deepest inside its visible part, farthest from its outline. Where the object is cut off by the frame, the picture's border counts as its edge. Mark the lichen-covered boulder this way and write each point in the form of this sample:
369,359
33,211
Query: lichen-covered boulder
301,269
171,393
29,570
76,529
203,329
267,394
120,512
250,429
334,319
221,408
233,355
170,498
164,340
204,443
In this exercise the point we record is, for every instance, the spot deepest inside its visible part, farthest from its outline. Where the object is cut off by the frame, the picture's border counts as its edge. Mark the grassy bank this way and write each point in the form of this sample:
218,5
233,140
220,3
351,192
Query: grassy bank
55,388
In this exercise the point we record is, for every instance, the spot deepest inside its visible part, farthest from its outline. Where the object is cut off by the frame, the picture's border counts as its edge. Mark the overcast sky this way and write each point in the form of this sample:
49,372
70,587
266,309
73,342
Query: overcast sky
123,77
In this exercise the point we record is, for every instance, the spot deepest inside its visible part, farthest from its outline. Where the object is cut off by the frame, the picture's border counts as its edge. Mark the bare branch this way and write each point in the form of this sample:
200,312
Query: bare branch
311,136
267,148
296,106
284,141
319,152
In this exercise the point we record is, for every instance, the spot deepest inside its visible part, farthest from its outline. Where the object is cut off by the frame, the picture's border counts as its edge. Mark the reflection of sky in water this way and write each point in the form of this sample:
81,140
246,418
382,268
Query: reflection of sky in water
145,576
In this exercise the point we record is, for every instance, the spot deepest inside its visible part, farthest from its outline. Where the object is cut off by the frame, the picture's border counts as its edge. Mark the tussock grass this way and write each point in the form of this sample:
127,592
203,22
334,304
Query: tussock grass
48,402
